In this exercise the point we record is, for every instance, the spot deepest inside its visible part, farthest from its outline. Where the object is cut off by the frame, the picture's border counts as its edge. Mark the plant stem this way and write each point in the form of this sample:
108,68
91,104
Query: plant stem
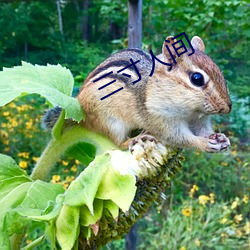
57,147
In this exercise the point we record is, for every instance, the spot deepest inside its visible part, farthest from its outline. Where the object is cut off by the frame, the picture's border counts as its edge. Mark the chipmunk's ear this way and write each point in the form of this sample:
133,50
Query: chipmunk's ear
198,43
168,44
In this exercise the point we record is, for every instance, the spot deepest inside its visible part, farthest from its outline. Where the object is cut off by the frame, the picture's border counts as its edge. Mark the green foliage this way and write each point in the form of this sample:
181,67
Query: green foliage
52,82
19,198
198,224
25,200
30,32
222,25
104,191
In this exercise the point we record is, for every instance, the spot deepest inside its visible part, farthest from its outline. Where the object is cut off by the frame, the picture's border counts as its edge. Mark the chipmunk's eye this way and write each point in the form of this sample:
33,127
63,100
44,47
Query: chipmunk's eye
197,79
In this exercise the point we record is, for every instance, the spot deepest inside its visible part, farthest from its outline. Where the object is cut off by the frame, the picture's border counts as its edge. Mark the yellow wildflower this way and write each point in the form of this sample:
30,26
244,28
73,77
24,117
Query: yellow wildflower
224,164
238,218
65,163
245,199
203,199
223,220
238,233
23,164
211,195
23,107
73,168
12,105
235,203
6,149
35,159
6,113
55,178
182,248
238,159
247,227
4,134
65,185
223,235
77,162
187,211
193,190
70,178
14,123
29,124
234,152
6,141
24,155
197,242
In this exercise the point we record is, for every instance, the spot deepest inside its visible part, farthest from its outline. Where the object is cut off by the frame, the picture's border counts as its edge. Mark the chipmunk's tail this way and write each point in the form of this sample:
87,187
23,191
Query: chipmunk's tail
50,117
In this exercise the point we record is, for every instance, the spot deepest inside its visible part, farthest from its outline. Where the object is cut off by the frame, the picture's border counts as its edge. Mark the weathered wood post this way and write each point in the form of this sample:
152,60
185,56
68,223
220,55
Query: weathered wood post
134,23
134,41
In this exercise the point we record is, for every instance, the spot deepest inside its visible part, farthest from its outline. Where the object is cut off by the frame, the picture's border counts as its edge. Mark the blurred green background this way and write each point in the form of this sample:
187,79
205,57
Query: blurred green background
207,206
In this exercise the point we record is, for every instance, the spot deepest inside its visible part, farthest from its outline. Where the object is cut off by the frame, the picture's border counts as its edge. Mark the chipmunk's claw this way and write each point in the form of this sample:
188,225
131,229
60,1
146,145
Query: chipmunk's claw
218,142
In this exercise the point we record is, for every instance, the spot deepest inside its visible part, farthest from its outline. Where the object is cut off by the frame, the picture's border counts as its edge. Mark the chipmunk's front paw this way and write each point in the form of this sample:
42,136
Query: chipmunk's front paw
218,142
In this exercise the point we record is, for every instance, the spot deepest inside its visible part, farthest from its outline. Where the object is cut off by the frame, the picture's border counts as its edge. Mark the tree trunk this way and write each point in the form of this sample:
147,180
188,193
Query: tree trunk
85,28
59,16
134,23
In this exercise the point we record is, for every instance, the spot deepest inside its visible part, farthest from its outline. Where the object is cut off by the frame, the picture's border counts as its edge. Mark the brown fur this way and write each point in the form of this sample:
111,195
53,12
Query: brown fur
167,105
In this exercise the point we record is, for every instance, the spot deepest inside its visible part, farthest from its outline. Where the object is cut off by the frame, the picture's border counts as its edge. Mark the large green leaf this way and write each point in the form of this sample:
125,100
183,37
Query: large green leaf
86,218
53,82
39,194
9,168
112,208
67,226
83,189
21,197
118,188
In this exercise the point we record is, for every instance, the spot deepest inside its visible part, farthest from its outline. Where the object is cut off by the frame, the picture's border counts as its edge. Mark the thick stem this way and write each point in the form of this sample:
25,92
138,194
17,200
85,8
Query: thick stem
57,147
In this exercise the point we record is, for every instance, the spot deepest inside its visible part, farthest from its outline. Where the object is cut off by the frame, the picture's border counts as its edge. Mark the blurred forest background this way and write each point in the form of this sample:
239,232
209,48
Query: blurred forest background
207,206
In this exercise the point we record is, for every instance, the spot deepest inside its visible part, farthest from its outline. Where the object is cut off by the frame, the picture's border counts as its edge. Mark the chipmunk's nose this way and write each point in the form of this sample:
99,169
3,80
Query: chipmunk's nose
227,108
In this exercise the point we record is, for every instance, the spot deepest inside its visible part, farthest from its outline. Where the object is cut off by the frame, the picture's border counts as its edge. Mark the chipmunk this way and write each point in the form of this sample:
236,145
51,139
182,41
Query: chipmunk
173,105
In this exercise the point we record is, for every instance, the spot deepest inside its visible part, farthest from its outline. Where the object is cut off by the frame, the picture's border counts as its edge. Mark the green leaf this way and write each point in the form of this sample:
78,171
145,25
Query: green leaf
83,189
83,152
118,188
14,198
19,197
6,186
4,240
67,226
53,82
9,168
50,234
46,216
39,194
86,231
86,218
112,208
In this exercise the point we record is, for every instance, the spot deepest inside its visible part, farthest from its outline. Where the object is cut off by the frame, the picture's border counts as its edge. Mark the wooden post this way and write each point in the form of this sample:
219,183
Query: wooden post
134,23
85,20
